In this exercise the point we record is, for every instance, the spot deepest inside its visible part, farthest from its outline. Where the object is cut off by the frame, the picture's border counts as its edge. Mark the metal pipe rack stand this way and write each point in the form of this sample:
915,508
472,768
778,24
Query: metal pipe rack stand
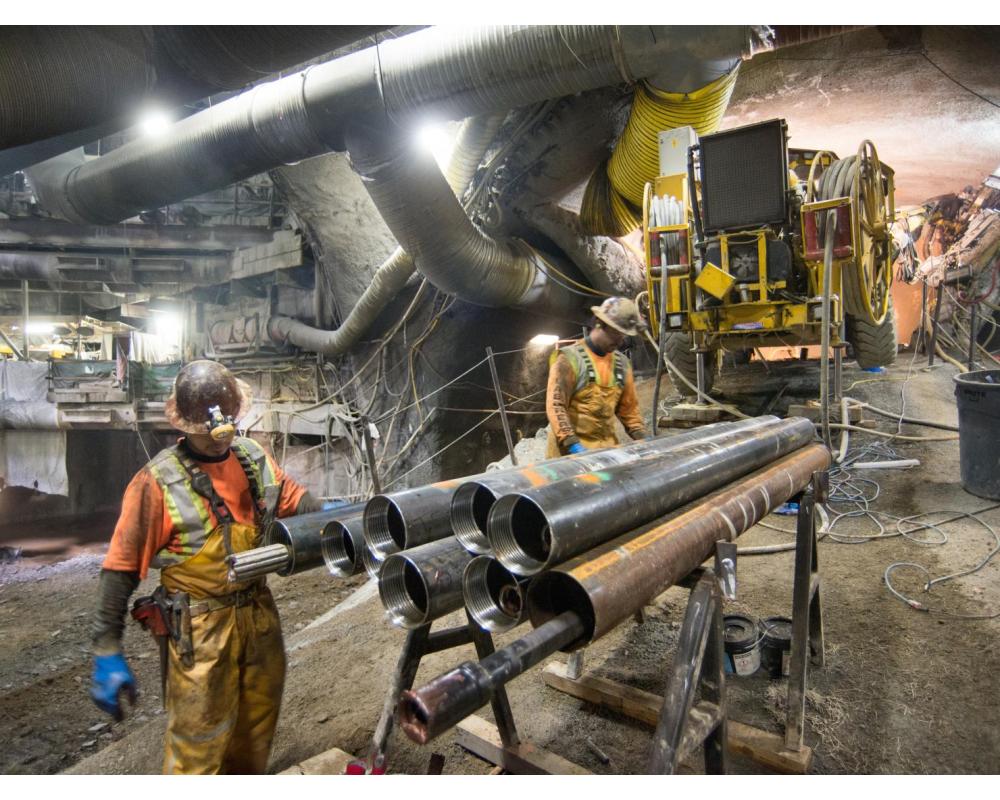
501,744
684,723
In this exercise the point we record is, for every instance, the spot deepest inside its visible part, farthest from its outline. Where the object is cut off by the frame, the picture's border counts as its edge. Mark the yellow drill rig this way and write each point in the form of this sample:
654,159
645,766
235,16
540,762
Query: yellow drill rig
739,231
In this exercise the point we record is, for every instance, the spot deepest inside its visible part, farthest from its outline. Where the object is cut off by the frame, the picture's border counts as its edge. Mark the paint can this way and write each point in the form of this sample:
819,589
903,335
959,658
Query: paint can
776,645
742,644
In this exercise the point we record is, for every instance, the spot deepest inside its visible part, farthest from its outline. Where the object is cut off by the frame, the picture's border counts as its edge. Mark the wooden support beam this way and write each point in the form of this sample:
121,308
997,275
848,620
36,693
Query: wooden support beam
482,738
759,745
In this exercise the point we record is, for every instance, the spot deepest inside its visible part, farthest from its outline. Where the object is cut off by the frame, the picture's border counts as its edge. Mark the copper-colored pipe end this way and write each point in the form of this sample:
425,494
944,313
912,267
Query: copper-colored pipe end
412,716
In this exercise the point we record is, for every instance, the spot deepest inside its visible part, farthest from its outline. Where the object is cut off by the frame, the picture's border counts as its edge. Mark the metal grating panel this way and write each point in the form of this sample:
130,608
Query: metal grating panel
744,174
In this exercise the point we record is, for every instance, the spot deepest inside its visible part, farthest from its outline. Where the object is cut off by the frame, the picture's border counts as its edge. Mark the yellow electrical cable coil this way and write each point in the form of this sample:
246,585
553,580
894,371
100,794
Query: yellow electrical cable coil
613,196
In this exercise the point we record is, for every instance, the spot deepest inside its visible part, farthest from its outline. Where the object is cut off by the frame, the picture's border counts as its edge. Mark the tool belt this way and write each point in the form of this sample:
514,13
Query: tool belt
244,597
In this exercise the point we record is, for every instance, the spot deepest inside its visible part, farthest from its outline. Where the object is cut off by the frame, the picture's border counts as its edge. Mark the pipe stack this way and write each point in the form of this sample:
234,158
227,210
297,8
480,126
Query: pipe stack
551,511
581,600
400,528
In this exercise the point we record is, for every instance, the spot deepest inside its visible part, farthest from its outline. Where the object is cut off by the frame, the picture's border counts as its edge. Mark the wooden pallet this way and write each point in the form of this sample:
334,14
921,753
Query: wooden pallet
482,738
759,745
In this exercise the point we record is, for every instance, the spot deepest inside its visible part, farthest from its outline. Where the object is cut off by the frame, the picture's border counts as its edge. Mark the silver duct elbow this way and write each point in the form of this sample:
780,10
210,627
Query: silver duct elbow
431,226
474,137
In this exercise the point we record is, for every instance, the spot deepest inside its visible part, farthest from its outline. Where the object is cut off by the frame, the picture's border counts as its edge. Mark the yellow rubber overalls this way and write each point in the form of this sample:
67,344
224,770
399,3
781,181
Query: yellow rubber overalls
592,407
223,698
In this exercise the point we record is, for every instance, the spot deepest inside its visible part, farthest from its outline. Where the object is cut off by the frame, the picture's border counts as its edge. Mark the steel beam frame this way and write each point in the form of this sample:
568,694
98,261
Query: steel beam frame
686,724
421,642
807,610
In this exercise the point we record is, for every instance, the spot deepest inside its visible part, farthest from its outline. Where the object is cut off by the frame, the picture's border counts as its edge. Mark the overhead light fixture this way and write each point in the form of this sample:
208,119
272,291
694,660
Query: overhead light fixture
438,140
543,340
41,327
154,122
168,326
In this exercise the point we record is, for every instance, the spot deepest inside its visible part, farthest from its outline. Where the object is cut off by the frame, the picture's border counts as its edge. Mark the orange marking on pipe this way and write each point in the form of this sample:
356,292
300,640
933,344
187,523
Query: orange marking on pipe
535,478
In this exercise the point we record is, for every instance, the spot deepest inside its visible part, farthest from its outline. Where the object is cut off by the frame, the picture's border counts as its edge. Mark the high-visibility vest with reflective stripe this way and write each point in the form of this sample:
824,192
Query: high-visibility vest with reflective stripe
585,369
188,512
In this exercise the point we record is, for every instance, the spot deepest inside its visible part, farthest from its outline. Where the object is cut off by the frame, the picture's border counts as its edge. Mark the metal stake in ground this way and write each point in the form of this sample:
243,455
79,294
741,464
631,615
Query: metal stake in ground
501,407
370,455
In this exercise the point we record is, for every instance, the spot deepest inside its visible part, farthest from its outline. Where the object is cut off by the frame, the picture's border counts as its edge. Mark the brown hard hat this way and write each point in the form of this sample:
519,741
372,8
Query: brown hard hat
621,314
198,387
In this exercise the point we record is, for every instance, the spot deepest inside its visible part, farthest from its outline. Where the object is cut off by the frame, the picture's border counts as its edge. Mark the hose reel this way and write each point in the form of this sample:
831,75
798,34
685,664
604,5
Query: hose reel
869,184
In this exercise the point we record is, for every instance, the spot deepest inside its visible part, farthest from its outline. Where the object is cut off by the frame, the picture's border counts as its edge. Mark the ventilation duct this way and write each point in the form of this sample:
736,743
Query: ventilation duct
86,80
474,137
449,73
365,99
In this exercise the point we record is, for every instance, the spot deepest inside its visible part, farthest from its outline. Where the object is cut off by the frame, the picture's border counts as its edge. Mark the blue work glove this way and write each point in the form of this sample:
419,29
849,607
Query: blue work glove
330,505
111,677
575,448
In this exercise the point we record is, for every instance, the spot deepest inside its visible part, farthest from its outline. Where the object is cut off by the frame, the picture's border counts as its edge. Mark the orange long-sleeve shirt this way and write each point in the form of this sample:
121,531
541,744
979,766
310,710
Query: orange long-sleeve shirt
145,527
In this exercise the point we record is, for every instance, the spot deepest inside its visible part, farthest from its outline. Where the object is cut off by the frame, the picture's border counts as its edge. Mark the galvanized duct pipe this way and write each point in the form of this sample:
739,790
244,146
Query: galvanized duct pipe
610,583
62,78
607,263
302,535
494,596
446,72
342,544
473,138
475,497
538,528
58,80
454,254
587,597
421,584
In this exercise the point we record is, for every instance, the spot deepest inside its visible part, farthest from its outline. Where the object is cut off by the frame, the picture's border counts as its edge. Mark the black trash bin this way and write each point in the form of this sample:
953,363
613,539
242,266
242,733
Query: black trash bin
978,397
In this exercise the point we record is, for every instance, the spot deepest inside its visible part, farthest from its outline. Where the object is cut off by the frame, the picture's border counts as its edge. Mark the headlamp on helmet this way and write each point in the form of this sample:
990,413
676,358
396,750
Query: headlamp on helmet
220,426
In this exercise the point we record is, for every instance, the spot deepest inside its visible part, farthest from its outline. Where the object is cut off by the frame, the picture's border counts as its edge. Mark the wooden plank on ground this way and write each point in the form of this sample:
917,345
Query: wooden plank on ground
478,736
331,762
759,745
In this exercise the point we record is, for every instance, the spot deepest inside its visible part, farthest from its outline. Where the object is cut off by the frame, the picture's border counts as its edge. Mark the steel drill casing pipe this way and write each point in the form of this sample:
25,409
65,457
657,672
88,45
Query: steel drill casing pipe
342,543
251,564
302,536
412,517
473,499
585,598
423,583
431,710
494,596
538,528
371,562
608,584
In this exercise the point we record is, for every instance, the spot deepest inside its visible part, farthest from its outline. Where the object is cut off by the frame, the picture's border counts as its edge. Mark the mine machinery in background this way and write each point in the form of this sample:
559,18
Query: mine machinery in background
735,229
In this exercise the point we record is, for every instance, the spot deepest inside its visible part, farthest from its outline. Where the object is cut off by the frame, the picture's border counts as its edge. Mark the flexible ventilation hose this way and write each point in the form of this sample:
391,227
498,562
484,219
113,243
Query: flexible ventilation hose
613,197
474,137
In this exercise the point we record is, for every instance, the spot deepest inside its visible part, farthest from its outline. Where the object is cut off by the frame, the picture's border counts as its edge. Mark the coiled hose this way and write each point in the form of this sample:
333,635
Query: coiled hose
613,197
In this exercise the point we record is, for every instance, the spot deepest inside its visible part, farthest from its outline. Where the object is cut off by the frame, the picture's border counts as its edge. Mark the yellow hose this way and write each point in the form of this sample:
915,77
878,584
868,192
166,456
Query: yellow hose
613,197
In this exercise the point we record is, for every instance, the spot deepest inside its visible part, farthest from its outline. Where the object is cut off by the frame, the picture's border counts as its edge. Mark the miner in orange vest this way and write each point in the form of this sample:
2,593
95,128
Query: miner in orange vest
591,383
193,504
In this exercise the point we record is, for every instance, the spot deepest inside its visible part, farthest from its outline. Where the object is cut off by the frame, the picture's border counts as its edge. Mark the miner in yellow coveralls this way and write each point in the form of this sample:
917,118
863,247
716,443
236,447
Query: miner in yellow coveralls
591,383
193,504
